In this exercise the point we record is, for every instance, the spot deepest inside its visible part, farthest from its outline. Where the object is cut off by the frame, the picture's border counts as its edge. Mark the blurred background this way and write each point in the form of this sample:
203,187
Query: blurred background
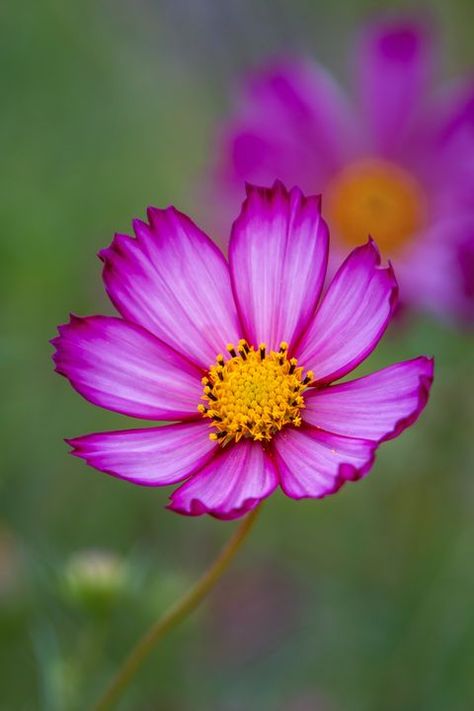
363,601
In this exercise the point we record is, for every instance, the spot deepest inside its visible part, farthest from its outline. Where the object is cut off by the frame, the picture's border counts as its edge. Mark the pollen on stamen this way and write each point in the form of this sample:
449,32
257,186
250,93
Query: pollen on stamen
243,346
254,393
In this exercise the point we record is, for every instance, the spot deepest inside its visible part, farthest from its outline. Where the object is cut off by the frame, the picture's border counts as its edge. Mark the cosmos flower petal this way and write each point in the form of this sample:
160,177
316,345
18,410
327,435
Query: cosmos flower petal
230,485
447,137
172,280
309,136
439,275
122,367
314,463
155,456
457,112
376,407
394,66
352,317
278,258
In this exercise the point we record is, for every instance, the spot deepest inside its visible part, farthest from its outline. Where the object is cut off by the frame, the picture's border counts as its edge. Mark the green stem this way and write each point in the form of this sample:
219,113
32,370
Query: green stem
176,613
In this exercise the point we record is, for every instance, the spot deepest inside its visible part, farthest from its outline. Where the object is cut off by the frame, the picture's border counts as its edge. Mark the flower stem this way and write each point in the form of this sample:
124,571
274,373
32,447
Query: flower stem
175,614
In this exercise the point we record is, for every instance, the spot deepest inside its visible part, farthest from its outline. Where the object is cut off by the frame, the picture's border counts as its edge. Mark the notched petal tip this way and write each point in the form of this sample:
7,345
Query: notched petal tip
198,508
264,192
229,485
103,254
76,443
142,230
296,487
163,221
75,321
369,248
156,215
358,306
117,247
372,246
425,381
58,342
279,190
348,473
373,243
63,331
395,291
372,249
247,506
75,448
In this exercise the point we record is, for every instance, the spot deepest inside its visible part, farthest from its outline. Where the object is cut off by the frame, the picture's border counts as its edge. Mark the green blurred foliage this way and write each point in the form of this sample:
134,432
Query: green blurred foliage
108,107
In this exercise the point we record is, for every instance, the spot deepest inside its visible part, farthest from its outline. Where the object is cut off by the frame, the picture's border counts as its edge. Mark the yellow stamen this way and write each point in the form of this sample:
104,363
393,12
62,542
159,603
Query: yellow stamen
375,198
254,394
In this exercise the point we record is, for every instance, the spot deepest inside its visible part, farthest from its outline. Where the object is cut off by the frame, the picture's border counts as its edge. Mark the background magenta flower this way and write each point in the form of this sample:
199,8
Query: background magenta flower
395,161
266,413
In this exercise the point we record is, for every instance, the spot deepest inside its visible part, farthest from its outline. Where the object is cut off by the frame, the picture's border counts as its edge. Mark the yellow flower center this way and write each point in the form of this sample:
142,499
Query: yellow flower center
253,393
375,198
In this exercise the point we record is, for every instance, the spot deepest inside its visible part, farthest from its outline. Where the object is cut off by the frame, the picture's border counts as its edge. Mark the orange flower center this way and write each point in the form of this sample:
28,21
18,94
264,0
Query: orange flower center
253,393
375,198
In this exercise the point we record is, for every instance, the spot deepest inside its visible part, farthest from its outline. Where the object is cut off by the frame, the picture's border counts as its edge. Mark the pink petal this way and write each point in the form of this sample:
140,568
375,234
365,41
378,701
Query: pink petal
173,281
376,407
466,263
151,457
440,148
278,258
437,274
453,149
232,484
453,118
122,367
352,316
313,463
294,122
394,66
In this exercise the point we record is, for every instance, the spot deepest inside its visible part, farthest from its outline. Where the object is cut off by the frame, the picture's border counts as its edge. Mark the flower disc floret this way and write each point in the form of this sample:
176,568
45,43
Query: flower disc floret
253,394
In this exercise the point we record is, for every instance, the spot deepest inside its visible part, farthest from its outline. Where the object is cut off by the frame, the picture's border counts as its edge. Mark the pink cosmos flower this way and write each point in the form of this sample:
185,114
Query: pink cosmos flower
243,355
397,162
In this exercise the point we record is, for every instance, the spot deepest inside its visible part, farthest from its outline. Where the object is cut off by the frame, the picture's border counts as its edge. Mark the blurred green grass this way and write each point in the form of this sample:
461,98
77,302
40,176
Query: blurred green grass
104,112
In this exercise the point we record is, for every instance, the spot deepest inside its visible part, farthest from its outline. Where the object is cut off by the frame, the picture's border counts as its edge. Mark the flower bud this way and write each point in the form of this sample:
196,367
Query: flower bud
95,579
